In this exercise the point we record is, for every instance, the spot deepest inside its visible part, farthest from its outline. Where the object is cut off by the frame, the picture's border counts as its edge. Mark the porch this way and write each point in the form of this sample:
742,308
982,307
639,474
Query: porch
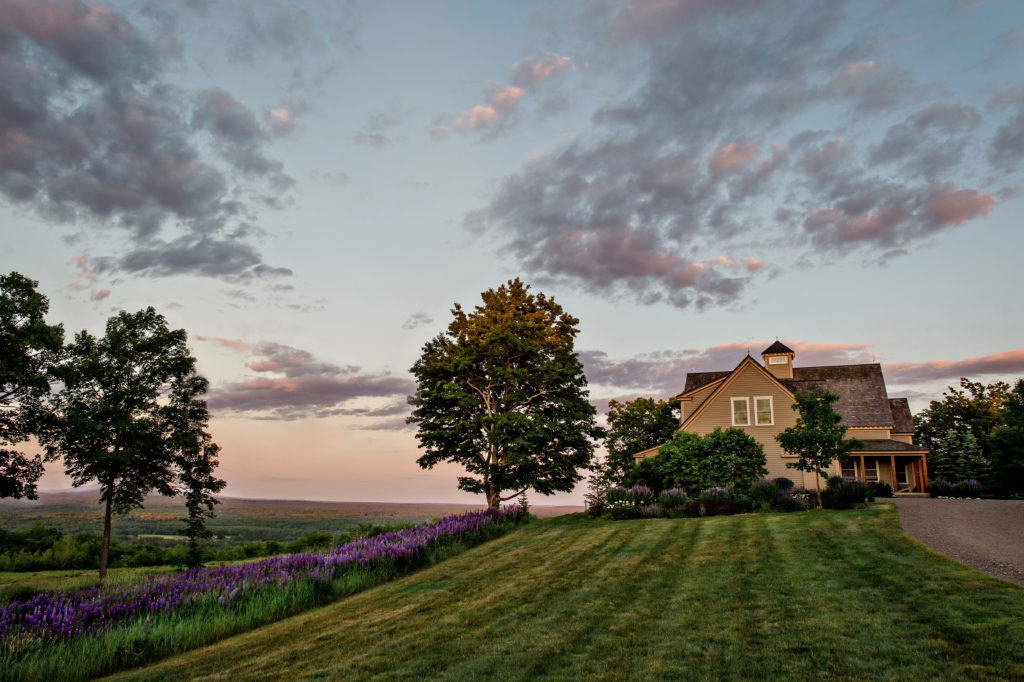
902,465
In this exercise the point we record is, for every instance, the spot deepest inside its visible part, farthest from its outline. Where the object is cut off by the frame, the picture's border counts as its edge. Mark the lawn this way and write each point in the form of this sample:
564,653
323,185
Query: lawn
767,596
30,582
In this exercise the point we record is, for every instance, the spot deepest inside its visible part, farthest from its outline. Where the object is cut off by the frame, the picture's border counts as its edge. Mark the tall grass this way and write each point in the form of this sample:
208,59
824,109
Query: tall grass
148,636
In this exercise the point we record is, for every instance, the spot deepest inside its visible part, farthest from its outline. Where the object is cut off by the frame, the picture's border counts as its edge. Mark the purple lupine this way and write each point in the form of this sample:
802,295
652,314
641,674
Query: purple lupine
64,615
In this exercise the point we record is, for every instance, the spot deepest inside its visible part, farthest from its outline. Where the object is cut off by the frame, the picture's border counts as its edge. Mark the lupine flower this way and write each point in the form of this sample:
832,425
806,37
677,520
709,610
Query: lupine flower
64,615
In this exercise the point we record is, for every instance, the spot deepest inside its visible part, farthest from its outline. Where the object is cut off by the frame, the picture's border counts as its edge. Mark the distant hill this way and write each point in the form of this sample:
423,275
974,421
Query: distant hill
237,520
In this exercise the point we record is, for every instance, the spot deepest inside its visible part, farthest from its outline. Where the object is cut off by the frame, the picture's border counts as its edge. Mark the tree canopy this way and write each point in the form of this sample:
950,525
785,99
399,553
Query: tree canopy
990,415
817,438
503,394
633,426
131,417
722,458
29,349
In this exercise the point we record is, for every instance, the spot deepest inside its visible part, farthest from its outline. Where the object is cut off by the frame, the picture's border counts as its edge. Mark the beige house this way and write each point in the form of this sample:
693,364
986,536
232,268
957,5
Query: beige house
757,397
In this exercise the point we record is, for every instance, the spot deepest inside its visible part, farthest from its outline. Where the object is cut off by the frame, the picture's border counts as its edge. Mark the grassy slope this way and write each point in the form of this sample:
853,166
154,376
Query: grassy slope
827,594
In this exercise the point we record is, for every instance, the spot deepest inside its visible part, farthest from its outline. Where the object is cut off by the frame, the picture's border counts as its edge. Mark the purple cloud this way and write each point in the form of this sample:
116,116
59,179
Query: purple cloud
704,160
290,383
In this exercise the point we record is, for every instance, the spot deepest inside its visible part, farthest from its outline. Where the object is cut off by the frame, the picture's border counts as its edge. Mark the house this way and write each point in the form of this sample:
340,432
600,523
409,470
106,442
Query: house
757,397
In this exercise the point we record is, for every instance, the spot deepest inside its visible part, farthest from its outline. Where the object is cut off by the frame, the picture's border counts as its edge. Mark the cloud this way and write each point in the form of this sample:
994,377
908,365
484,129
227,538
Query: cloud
92,134
290,383
231,344
417,319
663,373
929,142
375,140
501,104
498,114
281,120
1008,363
731,156
766,145
530,73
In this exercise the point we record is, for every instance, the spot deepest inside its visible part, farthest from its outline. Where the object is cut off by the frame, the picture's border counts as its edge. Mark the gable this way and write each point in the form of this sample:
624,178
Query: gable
749,380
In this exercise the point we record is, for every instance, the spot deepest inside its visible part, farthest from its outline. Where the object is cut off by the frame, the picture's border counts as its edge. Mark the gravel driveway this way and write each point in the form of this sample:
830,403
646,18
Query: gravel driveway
984,534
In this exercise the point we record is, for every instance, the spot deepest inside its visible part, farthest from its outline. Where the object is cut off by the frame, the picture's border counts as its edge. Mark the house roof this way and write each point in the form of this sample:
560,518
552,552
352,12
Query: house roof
888,445
695,380
862,402
777,348
902,420
861,388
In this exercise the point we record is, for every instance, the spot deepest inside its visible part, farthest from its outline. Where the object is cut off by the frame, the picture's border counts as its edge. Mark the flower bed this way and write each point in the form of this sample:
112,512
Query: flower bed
68,615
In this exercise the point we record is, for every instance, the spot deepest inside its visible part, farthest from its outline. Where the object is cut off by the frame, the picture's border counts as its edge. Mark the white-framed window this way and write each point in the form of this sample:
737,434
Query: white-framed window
741,411
777,360
763,413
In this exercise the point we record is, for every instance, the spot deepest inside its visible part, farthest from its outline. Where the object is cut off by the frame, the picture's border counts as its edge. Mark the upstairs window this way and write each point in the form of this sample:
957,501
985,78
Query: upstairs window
740,412
763,410
778,360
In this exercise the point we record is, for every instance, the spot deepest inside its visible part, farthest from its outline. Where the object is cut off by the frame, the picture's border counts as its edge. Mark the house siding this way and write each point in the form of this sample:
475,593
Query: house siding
696,399
748,382
867,434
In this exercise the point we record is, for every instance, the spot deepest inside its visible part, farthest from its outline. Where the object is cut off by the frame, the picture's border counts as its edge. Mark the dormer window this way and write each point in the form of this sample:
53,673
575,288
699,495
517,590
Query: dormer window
741,412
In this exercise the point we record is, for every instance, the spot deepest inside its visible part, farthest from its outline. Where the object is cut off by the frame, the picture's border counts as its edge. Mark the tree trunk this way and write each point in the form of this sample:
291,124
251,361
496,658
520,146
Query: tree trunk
817,486
105,549
493,497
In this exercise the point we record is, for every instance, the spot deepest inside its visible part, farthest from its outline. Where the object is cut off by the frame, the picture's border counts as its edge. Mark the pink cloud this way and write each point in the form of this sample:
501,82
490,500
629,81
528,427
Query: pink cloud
482,117
530,72
281,120
732,156
1007,363
233,344
957,206
100,294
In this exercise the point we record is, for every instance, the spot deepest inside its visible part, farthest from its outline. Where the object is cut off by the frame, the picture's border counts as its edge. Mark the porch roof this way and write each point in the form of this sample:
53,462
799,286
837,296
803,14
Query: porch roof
889,447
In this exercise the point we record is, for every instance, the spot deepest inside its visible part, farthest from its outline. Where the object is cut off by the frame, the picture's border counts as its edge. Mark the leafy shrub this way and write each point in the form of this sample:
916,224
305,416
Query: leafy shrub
845,493
783,483
882,489
968,488
622,510
764,493
672,499
790,504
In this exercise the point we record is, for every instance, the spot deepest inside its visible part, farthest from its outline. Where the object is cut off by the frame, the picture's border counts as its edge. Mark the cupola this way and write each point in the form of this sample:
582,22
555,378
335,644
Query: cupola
778,359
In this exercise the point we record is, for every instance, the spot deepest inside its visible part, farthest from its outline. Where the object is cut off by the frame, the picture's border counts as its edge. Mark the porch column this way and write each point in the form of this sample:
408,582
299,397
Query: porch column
863,476
892,468
924,471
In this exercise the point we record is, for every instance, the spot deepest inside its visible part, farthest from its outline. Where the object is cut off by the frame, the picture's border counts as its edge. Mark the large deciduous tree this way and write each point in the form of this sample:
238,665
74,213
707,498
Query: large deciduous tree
818,438
29,349
974,407
131,417
502,393
633,426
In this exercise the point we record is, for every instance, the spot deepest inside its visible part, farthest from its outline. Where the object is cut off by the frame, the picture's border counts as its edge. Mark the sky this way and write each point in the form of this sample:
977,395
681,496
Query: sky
308,187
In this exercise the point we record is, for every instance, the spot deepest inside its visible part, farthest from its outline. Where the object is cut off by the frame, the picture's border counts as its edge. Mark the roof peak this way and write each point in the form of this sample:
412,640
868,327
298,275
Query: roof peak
777,347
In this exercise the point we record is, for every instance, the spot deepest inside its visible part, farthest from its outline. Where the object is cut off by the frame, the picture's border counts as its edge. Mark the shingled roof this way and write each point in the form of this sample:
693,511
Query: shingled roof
889,445
695,380
777,347
861,388
902,420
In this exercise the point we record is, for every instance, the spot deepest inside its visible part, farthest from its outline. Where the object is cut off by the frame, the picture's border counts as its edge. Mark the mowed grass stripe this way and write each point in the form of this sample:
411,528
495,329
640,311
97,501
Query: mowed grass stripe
842,595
